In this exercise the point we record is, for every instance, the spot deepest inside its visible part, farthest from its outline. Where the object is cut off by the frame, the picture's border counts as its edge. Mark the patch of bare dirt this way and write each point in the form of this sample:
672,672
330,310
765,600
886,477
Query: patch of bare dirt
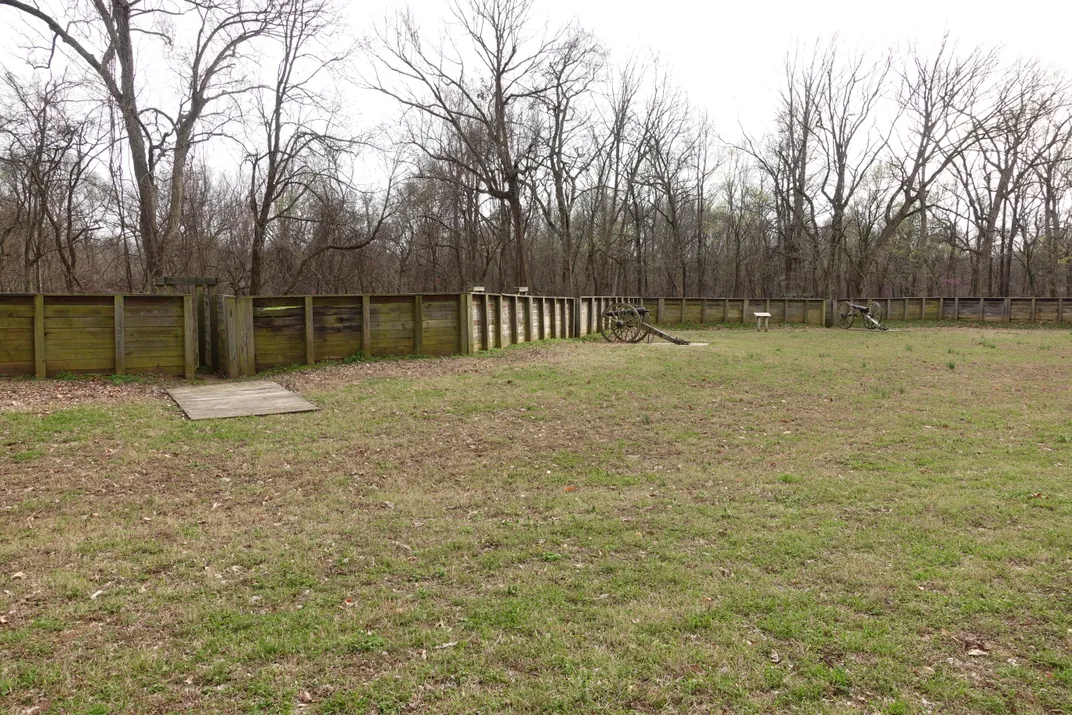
48,395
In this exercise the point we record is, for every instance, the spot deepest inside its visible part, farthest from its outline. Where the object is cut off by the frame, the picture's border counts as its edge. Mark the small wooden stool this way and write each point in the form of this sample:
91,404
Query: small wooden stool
762,321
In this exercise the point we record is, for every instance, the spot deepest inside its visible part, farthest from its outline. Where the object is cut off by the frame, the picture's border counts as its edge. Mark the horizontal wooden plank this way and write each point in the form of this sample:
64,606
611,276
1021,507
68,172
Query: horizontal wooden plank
17,368
12,353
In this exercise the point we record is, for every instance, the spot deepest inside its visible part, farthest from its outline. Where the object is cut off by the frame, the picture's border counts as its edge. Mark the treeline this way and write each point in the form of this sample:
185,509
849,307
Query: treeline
513,153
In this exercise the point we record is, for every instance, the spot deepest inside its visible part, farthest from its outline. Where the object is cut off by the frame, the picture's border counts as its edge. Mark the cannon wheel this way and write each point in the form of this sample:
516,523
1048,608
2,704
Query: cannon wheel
844,315
876,312
622,323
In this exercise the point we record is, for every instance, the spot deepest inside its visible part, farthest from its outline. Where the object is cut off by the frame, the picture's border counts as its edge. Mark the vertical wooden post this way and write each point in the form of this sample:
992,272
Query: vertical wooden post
888,307
528,319
1060,310
725,310
120,336
310,336
922,308
956,308
1006,305
200,325
465,324
230,345
804,306
40,369
660,306
823,316
489,341
418,324
1033,299
941,308
982,310
703,310
554,318
744,308
785,311
498,321
189,340
366,325
683,306
213,328
518,327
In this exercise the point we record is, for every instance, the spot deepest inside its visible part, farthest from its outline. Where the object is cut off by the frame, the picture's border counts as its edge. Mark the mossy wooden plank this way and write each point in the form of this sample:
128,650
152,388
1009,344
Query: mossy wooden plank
12,369
82,335
154,335
154,351
12,353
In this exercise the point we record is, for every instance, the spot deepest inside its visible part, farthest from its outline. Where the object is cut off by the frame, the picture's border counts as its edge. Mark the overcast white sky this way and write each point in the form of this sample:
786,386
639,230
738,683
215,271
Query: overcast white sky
727,55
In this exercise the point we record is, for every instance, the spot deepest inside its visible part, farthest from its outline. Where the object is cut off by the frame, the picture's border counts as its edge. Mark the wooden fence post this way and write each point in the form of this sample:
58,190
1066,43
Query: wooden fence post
956,308
201,325
310,338
744,308
1033,299
703,310
941,308
515,334
213,329
528,319
366,325
982,310
659,307
120,336
189,342
40,369
465,324
1006,305
418,324
1060,310
923,308
230,345
498,321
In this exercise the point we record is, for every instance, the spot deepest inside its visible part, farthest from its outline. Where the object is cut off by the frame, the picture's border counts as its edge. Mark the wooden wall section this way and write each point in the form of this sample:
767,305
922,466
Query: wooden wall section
154,334
17,335
46,335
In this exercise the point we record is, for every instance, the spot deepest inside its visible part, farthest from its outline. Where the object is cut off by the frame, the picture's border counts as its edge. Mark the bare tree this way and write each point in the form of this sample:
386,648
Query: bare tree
106,40
489,112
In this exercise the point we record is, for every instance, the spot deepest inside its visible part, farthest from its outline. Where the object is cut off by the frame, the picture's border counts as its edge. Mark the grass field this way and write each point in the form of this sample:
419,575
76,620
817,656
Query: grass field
797,521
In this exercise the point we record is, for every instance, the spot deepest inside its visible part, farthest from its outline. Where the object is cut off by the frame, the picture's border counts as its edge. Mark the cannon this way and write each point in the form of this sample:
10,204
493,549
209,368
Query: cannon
625,323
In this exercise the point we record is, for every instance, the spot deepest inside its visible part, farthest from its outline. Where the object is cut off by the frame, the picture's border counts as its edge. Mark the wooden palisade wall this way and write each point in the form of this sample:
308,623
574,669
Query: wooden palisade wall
698,311
257,333
986,310
45,335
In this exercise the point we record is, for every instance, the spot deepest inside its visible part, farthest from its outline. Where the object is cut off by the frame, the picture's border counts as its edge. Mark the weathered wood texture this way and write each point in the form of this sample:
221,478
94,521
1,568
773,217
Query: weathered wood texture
974,309
45,335
238,399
